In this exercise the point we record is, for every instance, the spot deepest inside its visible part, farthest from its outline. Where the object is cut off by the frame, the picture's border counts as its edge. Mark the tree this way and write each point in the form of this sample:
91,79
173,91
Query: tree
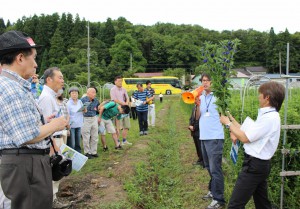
108,34
45,61
65,26
125,47
2,26
177,72
56,52
271,52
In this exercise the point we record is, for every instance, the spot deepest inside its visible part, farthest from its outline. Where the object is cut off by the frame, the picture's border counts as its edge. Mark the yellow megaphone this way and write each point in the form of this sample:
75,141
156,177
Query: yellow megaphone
189,97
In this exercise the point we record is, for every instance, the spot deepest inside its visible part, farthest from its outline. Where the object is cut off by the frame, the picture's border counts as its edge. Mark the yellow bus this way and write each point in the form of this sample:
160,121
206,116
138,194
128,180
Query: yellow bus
162,84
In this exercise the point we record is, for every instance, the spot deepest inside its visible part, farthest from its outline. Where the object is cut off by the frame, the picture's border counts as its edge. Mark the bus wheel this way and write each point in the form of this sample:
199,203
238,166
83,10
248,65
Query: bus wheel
168,92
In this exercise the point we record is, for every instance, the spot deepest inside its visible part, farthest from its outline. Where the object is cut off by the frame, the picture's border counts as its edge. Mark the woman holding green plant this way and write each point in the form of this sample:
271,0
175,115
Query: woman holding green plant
260,140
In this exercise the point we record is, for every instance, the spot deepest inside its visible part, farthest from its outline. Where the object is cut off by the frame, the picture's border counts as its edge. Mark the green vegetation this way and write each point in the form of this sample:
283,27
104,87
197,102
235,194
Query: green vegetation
152,48
157,172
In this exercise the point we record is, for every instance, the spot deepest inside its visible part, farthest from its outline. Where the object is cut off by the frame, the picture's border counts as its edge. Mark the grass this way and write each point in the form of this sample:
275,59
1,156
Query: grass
156,171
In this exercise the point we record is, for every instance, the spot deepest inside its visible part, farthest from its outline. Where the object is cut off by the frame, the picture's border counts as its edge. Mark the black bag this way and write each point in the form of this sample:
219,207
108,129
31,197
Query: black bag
61,166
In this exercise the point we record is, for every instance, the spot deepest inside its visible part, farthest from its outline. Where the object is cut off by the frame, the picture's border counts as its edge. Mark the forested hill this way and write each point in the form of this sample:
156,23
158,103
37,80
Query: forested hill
114,43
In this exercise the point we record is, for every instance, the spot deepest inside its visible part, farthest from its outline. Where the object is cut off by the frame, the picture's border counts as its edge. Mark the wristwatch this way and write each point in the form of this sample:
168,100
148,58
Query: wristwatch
228,125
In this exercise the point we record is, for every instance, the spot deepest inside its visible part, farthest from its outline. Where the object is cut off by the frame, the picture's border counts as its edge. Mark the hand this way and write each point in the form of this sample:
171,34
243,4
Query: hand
233,138
224,119
49,118
59,123
191,128
230,116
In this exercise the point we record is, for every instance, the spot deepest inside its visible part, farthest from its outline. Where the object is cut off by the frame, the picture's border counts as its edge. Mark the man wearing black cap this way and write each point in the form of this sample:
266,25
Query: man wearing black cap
25,171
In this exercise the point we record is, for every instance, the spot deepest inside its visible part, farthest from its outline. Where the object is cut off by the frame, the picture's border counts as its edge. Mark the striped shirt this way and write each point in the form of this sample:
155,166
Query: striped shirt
152,92
142,96
20,119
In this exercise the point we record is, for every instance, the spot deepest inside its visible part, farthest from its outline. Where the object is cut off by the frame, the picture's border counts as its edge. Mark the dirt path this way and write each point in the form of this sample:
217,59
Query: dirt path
99,190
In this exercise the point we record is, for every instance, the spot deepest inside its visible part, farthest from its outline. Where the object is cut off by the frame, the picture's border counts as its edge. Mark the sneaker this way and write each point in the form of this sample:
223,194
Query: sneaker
56,204
119,147
207,196
105,149
215,205
126,143
145,132
141,133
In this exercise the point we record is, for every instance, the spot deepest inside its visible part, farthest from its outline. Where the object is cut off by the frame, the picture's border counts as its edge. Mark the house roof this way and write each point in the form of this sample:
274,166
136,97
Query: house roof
148,75
243,71
273,76
259,69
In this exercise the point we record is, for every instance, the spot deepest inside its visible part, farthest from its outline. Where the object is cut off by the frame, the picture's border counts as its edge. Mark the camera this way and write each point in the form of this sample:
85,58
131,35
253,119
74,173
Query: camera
55,159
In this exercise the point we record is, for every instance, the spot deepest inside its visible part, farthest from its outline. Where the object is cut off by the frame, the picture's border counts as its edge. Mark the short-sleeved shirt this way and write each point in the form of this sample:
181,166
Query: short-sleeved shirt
111,110
19,117
76,118
152,92
119,94
47,102
209,123
92,109
265,132
142,97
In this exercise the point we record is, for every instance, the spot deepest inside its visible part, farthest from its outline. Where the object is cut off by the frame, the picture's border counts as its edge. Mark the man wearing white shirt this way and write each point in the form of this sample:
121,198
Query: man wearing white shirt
47,102
260,143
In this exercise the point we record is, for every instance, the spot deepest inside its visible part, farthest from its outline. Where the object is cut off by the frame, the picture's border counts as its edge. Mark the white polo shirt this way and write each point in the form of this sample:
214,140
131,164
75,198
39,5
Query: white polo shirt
47,103
264,134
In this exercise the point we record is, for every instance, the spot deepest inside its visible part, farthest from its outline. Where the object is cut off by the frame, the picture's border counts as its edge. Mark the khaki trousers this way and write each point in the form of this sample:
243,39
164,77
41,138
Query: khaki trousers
89,134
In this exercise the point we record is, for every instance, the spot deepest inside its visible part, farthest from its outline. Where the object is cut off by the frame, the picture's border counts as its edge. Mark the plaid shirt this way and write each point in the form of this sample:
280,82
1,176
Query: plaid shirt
19,116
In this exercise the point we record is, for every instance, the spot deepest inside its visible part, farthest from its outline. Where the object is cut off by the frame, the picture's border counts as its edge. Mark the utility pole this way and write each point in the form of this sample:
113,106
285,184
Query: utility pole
130,61
88,56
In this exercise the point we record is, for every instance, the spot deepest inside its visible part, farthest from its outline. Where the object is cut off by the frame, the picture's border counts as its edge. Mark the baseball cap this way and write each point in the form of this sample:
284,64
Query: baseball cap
15,40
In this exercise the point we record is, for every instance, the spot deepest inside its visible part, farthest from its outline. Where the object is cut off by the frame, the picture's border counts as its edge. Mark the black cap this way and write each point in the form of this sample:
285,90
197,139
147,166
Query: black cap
15,40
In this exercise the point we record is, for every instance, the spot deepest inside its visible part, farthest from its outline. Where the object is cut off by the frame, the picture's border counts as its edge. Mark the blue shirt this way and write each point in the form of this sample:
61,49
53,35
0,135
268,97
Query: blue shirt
142,96
19,116
209,123
76,118
92,109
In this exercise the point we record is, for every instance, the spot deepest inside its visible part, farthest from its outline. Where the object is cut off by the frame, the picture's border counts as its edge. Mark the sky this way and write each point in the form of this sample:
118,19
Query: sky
217,15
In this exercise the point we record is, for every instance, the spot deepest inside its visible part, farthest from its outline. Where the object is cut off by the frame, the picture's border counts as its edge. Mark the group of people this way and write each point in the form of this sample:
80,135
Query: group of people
36,120
208,134
26,125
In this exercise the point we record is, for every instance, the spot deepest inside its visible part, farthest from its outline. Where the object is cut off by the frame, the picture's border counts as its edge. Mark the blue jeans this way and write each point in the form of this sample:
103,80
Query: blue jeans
212,151
74,141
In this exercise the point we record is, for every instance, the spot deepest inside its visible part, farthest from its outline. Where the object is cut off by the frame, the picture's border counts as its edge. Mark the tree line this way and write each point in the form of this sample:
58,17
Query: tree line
117,47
